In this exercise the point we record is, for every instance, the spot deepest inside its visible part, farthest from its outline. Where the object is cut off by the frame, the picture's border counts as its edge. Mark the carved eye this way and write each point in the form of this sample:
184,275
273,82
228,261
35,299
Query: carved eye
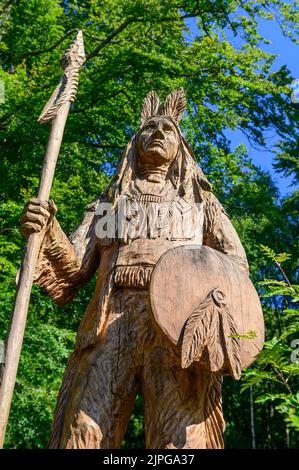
168,129
149,127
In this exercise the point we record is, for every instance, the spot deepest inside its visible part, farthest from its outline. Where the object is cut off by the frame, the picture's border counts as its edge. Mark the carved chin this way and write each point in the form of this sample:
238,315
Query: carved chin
157,154
157,150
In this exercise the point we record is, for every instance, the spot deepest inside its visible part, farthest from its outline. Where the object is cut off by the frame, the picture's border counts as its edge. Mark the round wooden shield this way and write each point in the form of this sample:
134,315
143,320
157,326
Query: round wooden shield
184,276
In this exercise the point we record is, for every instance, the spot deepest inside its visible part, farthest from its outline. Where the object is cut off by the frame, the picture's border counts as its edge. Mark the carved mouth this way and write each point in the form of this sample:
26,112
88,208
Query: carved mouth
157,143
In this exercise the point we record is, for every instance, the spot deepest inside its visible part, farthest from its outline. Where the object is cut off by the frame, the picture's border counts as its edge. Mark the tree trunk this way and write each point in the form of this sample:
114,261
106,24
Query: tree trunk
252,426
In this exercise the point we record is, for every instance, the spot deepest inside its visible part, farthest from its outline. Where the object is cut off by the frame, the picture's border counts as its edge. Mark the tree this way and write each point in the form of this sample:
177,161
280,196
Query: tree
277,366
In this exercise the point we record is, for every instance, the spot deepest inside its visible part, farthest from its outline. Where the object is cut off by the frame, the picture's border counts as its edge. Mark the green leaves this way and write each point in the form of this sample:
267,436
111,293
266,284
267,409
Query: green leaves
275,364
277,258
44,355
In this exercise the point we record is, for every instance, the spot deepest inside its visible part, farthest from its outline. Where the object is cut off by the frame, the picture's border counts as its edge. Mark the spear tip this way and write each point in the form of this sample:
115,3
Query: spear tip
66,90
75,54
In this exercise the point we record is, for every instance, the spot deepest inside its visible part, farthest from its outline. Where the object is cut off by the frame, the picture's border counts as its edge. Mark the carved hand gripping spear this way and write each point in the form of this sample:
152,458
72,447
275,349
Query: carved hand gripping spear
56,110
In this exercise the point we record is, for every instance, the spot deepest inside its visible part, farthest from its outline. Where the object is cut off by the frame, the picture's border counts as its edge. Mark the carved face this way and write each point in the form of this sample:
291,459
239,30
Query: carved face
158,141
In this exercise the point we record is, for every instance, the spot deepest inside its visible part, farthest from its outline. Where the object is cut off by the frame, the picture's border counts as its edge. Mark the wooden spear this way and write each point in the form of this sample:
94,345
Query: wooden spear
56,111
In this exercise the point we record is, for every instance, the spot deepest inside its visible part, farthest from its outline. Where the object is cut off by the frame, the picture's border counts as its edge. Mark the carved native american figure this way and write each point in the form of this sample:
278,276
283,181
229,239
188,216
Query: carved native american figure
170,233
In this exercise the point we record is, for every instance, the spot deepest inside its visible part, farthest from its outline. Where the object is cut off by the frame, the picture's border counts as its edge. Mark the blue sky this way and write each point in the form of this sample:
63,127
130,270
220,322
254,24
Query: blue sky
287,54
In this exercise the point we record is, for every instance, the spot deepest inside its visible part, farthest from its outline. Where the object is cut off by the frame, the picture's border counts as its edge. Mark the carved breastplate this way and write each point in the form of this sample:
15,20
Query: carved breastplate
150,225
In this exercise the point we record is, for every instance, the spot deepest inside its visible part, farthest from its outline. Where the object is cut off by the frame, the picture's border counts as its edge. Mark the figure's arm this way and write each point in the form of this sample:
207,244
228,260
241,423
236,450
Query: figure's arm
65,265
219,233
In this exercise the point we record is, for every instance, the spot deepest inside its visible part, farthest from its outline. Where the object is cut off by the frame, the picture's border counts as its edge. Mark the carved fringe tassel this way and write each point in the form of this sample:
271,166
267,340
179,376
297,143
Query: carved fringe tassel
146,198
133,276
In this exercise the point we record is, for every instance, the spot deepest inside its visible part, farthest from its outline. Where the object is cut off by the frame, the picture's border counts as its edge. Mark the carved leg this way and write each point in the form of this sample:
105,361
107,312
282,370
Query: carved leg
100,384
94,409
182,406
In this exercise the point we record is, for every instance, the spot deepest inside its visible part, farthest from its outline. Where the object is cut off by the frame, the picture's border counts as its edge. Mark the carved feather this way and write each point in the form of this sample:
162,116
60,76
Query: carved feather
150,106
175,104
232,343
197,331
215,349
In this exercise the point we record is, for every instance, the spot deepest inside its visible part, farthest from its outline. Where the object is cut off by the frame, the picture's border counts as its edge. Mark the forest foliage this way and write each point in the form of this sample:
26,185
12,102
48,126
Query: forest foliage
231,82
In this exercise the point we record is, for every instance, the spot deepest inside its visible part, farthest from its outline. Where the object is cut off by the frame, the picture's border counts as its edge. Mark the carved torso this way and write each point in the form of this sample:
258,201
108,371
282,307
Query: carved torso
152,223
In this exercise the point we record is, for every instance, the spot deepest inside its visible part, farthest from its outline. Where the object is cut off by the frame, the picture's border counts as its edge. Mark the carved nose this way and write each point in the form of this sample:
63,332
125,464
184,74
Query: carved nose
158,133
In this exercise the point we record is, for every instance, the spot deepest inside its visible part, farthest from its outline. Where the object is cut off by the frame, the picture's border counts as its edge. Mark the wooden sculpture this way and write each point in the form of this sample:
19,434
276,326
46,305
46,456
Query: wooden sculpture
173,309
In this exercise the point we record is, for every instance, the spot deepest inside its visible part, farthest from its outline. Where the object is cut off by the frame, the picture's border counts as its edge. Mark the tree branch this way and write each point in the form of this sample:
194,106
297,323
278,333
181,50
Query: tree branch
49,49
106,41
100,146
109,38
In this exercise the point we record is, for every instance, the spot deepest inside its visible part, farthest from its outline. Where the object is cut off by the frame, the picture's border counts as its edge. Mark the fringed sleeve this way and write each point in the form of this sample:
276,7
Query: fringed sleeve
65,265
219,233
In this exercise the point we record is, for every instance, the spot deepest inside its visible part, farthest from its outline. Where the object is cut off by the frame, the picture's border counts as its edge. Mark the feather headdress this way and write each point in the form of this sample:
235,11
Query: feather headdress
174,105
